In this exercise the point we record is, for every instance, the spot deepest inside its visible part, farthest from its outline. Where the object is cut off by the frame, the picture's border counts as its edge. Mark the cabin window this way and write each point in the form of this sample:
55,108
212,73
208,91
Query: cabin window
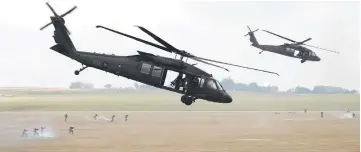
196,81
156,71
290,50
145,68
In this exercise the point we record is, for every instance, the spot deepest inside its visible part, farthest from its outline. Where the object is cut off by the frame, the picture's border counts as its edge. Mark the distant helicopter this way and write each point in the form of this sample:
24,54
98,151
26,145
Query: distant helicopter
145,67
288,49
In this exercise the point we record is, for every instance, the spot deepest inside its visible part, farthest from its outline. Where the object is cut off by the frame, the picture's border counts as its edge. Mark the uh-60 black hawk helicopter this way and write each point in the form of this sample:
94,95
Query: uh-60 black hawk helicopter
147,68
288,49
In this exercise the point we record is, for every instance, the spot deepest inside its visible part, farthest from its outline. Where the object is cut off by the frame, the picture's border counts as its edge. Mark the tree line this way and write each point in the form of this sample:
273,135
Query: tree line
230,85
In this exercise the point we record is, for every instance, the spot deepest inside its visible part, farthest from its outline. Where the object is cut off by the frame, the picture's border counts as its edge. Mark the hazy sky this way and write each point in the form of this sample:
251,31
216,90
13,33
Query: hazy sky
208,29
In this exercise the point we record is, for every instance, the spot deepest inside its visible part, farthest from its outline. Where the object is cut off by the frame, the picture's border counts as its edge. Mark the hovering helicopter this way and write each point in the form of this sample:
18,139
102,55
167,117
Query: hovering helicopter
288,49
145,67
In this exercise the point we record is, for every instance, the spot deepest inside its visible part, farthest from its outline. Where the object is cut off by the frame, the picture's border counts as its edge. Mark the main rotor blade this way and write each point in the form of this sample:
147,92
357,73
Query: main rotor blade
249,28
321,48
279,36
135,38
46,26
305,40
47,3
237,65
158,39
71,10
199,60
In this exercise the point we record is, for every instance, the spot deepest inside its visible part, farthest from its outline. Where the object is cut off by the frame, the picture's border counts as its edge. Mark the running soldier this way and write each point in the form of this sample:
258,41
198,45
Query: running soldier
36,133
321,114
353,115
24,134
95,116
71,130
66,117
42,130
126,117
305,110
112,118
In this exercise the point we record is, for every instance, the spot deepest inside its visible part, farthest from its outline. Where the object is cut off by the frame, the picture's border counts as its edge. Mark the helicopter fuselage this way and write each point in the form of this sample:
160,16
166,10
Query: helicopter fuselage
145,68
290,51
152,70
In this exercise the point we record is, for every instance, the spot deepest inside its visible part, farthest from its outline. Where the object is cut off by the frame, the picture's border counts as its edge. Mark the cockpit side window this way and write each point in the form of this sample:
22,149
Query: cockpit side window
219,85
201,83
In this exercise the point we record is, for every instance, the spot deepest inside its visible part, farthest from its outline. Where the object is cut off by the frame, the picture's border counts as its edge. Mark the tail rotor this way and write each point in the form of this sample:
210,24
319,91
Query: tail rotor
250,31
57,17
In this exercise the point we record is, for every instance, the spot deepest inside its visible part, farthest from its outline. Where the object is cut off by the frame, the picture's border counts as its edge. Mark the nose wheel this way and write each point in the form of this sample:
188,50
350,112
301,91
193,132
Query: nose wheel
76,72
187,100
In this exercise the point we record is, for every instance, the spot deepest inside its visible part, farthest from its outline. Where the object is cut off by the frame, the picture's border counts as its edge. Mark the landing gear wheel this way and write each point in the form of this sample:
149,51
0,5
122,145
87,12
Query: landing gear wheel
187,100
76,72
302,61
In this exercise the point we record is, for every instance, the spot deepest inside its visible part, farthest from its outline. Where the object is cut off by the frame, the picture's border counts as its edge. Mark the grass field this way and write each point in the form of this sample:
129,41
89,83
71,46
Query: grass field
181,131
166,101
249,123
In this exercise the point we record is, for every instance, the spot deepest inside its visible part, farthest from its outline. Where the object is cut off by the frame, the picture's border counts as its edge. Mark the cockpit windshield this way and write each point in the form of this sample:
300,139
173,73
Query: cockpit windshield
210,84
213,84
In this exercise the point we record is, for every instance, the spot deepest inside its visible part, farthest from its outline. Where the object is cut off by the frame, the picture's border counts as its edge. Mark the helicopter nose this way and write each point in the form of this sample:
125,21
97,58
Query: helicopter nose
318,59
227,98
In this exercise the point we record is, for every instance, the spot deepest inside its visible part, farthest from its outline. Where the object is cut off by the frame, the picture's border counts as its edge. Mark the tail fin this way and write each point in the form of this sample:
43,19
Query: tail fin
252,38
64,45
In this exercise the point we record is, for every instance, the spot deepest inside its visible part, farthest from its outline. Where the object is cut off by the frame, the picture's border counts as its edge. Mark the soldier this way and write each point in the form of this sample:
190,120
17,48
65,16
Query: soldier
112,118
24,134
353,115
42,130
321,114
305,110
126,117
95,116
36,133
66,117
71,130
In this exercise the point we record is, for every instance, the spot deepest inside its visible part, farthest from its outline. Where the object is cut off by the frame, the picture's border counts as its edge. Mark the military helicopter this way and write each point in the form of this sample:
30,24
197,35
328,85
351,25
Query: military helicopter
288,49
145,67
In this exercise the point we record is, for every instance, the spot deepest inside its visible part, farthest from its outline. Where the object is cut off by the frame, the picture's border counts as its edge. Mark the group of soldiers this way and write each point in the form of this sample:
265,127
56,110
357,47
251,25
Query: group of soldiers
348,111
36,132
71,129
305,110
96,116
